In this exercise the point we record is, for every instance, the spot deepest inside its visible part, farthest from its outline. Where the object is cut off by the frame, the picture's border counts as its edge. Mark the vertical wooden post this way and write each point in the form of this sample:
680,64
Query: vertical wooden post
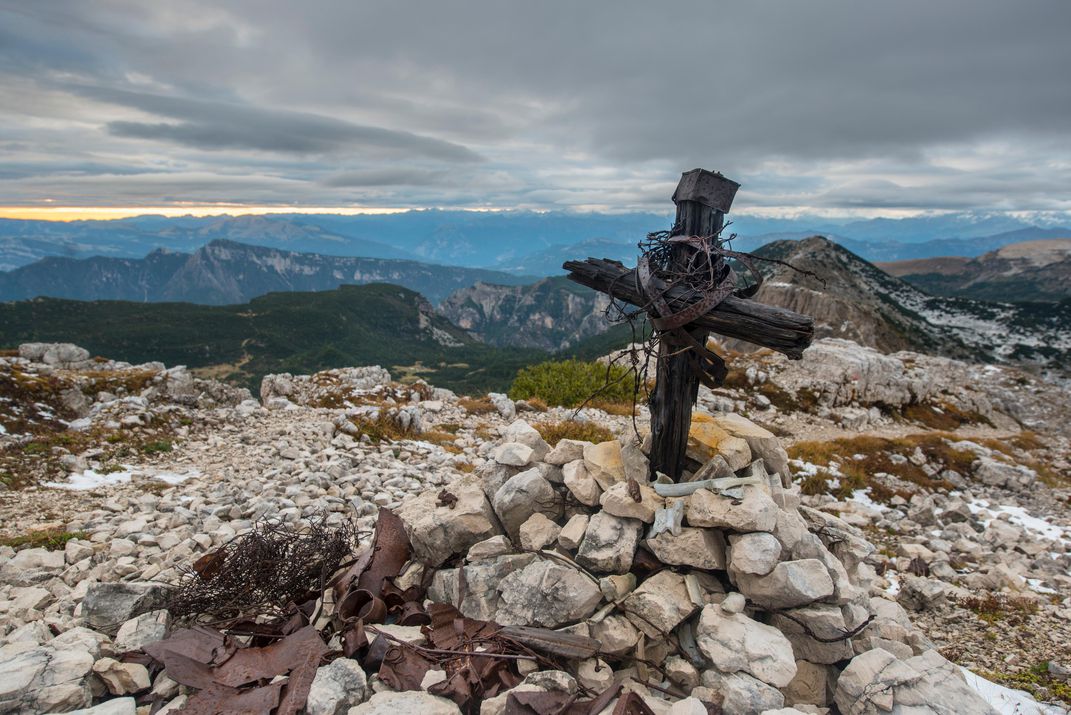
702,197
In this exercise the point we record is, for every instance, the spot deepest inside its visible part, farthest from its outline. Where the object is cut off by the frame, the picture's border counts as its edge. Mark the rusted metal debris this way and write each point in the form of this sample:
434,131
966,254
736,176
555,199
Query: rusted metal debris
239,680
267,664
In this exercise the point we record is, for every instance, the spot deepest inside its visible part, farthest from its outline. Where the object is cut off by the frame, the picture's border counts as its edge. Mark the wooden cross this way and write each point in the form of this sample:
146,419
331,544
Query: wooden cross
702,198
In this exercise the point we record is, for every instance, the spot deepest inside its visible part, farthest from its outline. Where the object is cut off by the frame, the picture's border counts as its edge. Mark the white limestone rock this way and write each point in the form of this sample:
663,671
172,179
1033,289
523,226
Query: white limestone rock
755,512
410,701
609,543
788,585
756,553
122,678
579,481
514,454
521,432
337,687
567,450
659,604
438,531
521,496
733,642
741,694
695,547
618,501
546,593
572,533
877,682
107,606
538,532
141,630
604,463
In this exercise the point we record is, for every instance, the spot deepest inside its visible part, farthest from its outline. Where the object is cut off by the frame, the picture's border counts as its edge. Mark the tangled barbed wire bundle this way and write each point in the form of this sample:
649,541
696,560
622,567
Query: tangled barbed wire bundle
264,572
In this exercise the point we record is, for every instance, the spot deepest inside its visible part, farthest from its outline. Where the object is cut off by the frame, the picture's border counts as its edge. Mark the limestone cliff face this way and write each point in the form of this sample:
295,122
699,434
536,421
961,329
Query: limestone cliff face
552,314
228,272
853,302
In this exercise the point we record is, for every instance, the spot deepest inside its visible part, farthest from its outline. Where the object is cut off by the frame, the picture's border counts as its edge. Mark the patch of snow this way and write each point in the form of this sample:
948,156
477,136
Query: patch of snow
3,430
1020,517
862,496
80,424
90,479
1005,700
1036,586
176,477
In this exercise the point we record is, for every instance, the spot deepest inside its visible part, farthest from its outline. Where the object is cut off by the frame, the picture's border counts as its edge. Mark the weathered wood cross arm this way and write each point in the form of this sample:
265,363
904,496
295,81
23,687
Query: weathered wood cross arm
767,325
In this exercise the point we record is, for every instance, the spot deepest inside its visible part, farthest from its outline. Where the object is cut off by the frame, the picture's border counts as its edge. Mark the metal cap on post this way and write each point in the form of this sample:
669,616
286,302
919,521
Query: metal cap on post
705,187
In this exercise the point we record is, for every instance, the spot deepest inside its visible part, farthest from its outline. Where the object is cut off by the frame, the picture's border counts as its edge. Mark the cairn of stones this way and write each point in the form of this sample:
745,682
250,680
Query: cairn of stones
732,594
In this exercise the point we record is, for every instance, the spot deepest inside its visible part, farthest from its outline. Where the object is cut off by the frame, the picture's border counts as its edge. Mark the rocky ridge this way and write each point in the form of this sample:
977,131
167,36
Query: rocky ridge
741,567
1027,271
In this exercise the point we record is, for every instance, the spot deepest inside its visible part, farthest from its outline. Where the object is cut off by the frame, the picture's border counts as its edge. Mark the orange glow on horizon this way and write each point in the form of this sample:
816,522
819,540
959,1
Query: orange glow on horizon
104,213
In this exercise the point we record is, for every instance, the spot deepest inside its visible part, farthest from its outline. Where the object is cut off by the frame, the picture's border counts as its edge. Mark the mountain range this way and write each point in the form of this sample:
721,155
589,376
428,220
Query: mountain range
524,242
1028,271
552,314
848,296
224,272
484,330
375,324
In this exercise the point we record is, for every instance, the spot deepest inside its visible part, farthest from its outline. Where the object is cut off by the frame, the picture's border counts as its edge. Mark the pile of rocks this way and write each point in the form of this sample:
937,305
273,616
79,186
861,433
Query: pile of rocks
64,387
734,593
743,592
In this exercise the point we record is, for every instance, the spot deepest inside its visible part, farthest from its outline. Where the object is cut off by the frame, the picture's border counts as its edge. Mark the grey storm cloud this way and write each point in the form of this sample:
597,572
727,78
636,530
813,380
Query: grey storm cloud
220,125
830,104
387,177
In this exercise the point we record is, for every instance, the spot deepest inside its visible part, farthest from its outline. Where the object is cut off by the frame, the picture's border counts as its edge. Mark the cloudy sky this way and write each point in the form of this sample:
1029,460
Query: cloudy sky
819,106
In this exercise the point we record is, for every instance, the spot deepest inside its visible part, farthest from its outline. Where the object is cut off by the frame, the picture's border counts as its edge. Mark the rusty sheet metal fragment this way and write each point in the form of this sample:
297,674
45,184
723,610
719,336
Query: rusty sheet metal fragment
204,659
559,703
488,671
390,552
404,668
221,700
204,645
631,704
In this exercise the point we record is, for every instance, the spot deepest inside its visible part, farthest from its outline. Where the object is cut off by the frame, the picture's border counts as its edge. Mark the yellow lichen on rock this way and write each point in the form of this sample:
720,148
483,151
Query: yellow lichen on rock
706,440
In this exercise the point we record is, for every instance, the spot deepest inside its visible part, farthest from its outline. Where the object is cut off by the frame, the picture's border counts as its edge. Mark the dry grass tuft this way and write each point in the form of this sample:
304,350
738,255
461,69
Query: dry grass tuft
477,405
382,428
785,401
536,404
554,432
854,461
51,539
993,607
940,416
1027,441
131,381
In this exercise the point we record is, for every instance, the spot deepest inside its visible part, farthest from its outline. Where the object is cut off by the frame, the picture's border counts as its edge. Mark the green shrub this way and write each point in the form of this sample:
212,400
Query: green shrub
569,383
156,447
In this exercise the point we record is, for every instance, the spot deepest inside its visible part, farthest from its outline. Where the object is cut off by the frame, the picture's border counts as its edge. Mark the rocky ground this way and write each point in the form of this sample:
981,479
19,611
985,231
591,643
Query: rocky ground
910,485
